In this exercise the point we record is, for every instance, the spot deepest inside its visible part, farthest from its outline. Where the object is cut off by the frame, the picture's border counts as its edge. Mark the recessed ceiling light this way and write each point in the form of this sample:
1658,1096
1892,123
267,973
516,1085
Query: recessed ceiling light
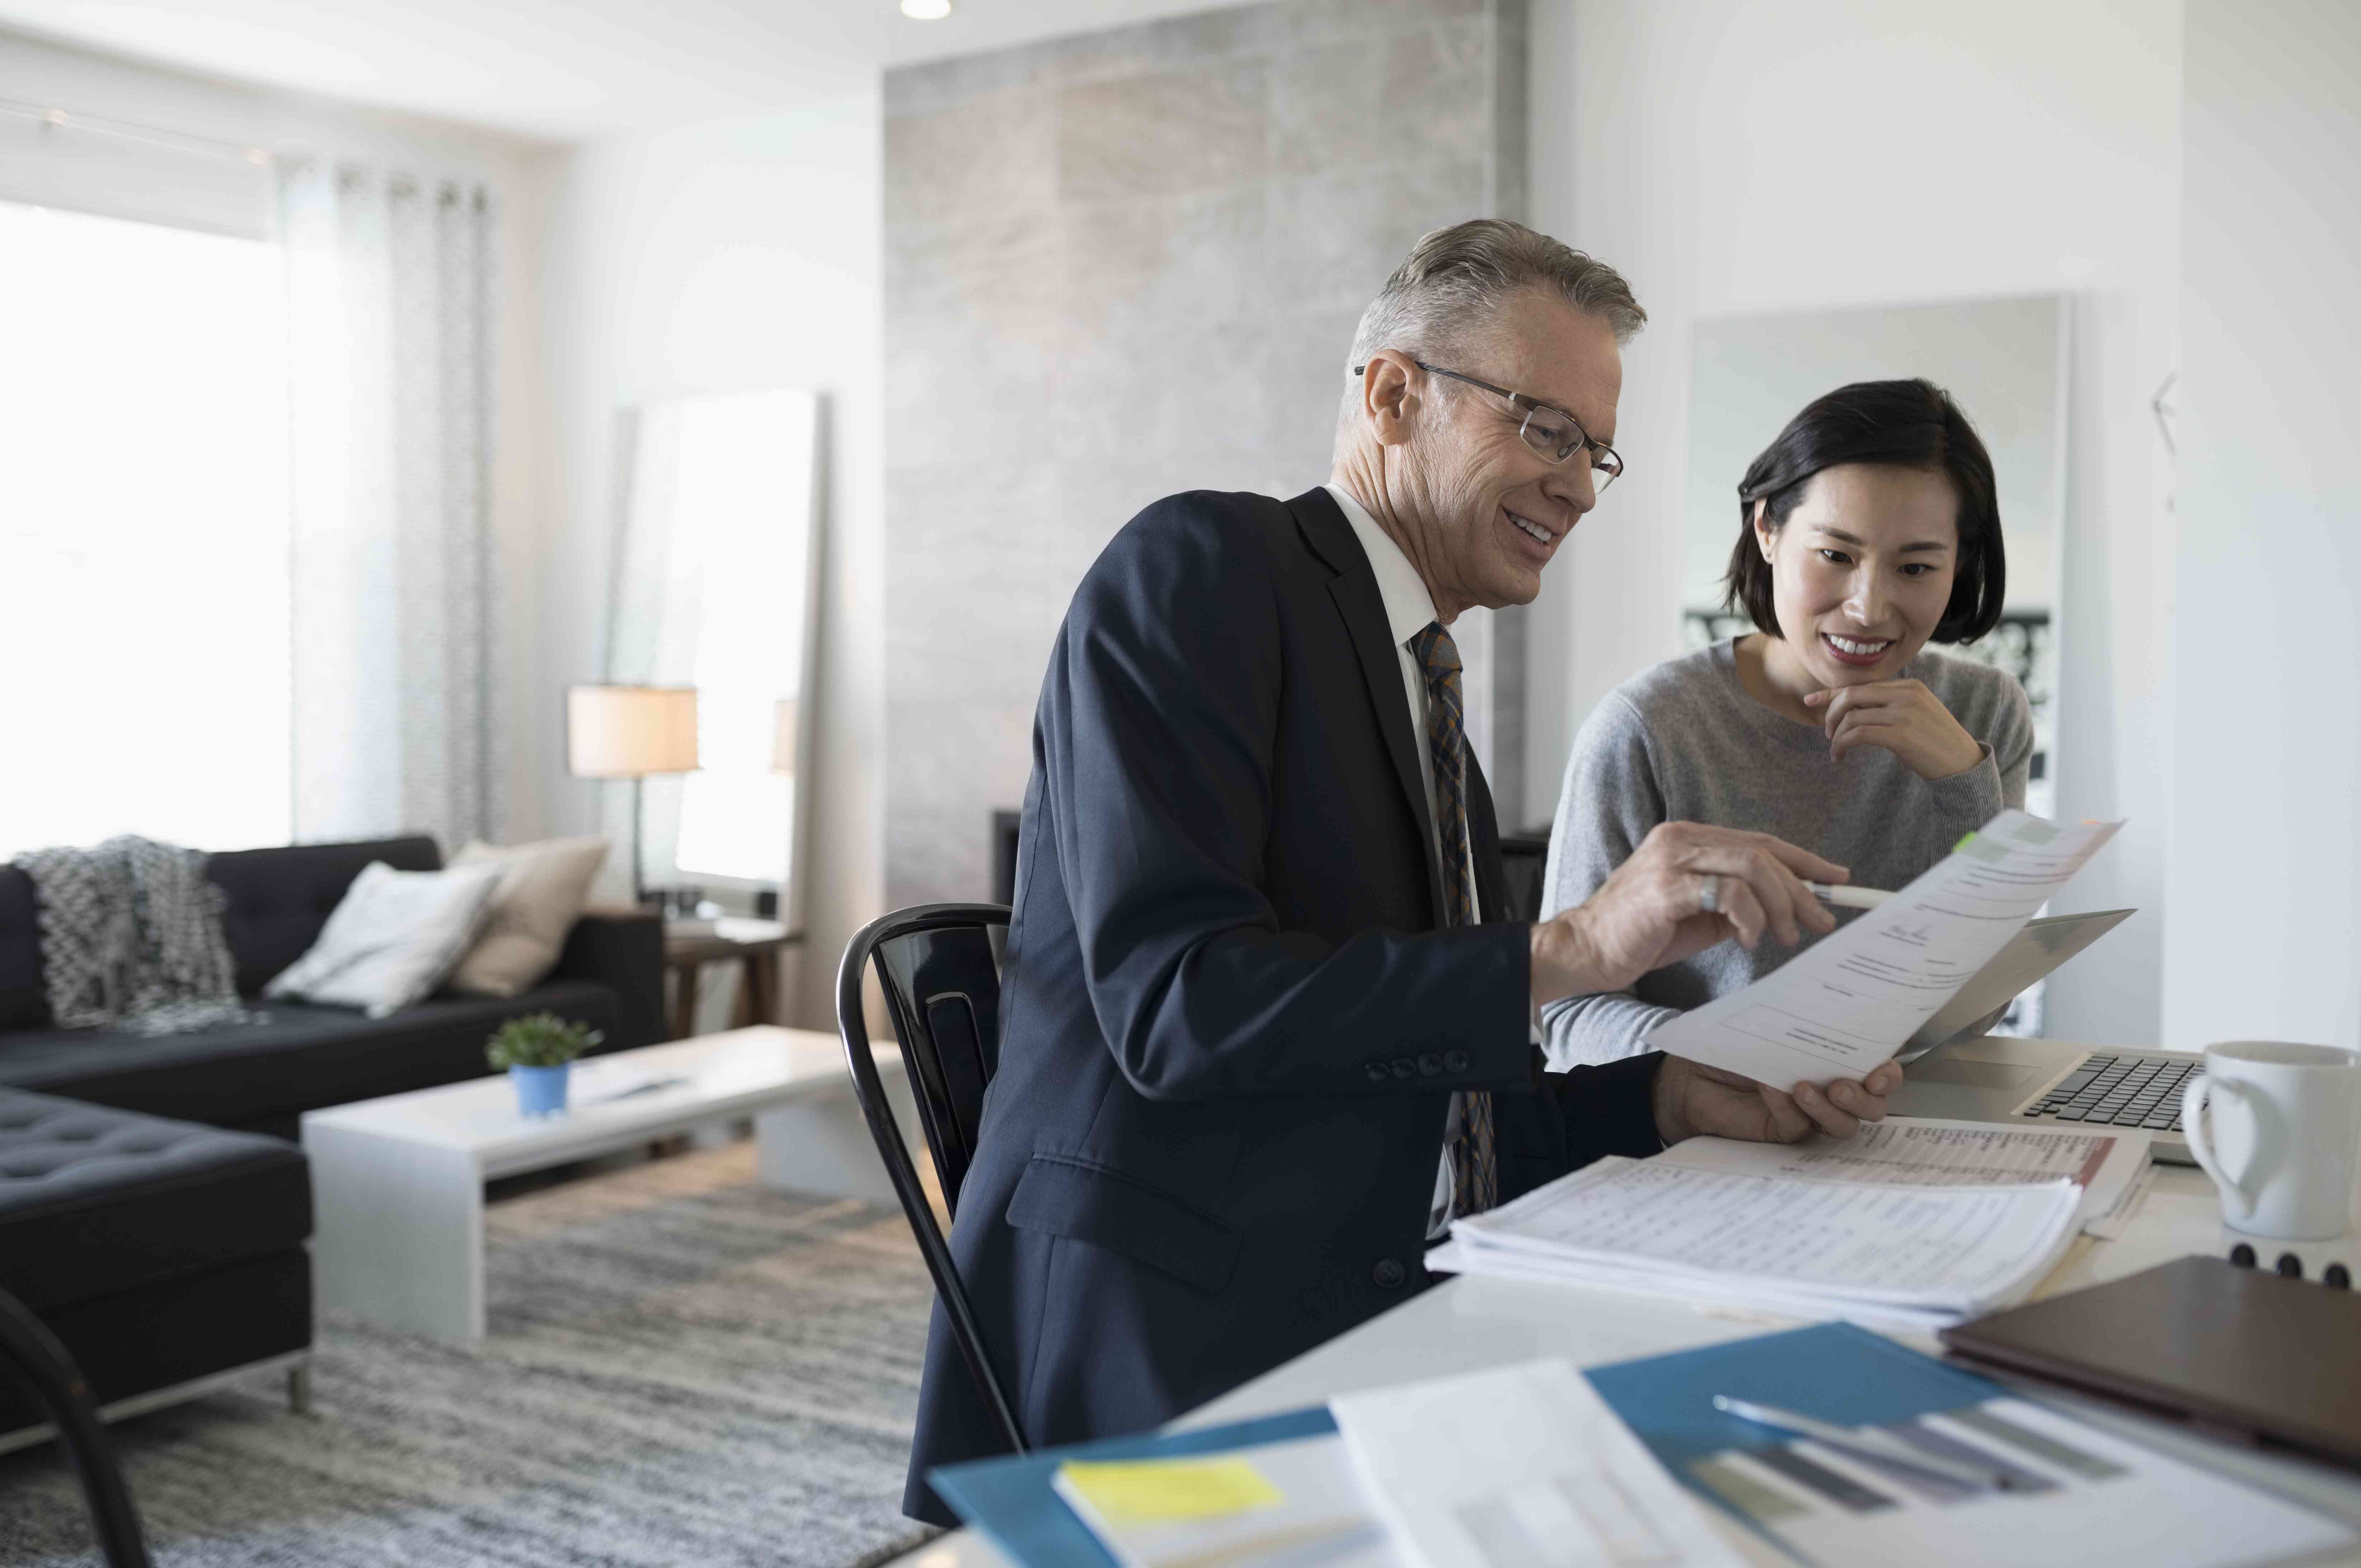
926,10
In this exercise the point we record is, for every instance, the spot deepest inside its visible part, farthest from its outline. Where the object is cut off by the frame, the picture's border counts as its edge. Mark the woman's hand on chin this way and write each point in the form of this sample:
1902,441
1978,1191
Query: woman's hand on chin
1901,717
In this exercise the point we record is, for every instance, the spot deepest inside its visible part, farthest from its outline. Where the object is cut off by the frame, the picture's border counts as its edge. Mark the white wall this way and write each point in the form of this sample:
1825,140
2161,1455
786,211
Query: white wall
2264,938
77,83
1733,157
729,256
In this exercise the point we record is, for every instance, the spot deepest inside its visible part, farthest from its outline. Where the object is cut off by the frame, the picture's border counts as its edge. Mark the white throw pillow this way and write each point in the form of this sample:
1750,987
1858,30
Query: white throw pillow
542,890
393,939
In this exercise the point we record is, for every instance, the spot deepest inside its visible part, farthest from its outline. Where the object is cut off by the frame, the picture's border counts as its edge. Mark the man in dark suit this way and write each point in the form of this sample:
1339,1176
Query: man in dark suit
1266,1015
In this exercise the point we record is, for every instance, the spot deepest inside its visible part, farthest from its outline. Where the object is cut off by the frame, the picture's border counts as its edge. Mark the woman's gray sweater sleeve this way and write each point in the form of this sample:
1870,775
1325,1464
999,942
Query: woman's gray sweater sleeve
1971,799
1610,799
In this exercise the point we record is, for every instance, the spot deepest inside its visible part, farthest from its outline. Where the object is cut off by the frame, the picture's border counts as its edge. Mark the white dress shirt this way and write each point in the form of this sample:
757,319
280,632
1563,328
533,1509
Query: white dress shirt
1410,609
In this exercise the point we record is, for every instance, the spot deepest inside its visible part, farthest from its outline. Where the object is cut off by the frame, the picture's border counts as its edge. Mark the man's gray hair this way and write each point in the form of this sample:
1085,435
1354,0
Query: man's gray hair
1448,288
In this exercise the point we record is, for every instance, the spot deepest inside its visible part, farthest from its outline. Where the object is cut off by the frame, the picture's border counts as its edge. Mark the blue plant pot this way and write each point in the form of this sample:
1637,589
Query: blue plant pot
540,1091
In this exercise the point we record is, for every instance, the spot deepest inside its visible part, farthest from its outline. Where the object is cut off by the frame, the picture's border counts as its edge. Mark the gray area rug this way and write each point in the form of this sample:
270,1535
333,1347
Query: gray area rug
682,1368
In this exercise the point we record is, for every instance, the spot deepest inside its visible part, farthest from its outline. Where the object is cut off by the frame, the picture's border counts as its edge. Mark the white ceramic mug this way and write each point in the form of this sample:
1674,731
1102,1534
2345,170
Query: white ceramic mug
2285,1119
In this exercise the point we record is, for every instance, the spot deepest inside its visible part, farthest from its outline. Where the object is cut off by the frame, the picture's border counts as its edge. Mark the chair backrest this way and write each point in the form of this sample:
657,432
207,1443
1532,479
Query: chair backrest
942,991
31,1357
1526,862
940,972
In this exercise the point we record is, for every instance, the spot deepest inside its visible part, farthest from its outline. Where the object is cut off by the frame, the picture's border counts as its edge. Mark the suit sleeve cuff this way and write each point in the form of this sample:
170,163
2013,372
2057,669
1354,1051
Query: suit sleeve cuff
1610,1109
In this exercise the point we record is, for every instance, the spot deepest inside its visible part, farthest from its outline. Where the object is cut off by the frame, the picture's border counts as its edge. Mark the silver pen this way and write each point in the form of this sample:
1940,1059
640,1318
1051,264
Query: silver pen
1868,1442
1847,897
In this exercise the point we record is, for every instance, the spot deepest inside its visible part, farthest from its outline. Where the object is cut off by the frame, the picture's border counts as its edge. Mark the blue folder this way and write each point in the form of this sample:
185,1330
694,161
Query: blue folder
1011,1502
1839,1373
1834,1371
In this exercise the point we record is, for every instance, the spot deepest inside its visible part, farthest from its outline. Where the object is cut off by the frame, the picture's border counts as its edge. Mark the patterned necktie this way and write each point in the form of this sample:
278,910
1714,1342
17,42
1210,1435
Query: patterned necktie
1474,1163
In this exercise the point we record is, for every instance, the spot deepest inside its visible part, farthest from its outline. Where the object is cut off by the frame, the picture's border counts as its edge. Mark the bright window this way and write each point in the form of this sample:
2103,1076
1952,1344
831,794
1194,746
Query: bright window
143,535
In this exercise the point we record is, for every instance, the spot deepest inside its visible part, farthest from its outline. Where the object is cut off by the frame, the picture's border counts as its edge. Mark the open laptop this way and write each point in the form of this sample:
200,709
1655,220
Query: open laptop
1953,1068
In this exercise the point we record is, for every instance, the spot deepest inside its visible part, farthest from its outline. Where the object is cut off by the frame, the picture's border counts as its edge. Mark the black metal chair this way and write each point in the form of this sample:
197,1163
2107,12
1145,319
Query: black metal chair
940,973
31,1357
1525,862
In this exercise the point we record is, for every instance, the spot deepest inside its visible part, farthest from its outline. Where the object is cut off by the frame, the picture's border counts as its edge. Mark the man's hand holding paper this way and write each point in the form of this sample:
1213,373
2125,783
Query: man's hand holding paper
1844,1007
1688,887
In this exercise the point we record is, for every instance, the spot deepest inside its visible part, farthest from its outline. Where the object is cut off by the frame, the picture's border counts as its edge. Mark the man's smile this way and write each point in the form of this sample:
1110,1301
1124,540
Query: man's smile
1530,527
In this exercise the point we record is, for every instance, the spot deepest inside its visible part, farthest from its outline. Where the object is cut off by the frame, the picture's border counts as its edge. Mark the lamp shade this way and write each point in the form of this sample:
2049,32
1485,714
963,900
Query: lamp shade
629,732
783,735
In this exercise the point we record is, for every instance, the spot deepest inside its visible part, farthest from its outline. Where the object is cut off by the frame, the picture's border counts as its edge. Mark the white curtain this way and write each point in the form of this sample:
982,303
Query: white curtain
391,322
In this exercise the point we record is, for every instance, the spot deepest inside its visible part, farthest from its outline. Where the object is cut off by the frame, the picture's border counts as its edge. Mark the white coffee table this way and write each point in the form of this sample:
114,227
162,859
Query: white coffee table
398,1183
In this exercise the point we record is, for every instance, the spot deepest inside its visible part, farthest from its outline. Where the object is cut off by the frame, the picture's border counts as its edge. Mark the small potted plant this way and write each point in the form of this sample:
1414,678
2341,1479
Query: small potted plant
537,1050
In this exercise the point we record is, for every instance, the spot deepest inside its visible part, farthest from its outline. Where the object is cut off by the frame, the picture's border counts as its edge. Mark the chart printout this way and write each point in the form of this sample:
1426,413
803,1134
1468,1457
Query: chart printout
1852,998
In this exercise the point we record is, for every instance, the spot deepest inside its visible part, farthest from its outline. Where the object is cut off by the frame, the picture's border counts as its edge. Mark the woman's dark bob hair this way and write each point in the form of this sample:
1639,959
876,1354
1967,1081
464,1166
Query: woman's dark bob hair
1906,424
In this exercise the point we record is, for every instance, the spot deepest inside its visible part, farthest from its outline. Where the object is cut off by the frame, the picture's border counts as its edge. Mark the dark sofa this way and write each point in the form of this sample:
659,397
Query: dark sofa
166,1252
263,1077
164,1255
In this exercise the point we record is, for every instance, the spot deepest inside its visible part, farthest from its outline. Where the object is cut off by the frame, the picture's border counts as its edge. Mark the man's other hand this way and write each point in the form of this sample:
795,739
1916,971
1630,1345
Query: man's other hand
1692,1100
1686,888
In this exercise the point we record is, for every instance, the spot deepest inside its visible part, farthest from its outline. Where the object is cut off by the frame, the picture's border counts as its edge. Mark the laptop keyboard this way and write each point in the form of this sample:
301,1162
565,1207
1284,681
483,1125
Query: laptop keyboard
2121,1091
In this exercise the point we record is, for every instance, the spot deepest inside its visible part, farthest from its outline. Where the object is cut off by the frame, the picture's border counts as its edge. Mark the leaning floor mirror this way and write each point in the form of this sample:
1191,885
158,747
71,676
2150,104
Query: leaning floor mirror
715,587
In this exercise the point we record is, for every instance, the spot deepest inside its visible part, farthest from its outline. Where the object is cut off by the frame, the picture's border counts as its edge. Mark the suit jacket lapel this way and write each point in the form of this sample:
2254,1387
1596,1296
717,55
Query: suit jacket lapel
1354,589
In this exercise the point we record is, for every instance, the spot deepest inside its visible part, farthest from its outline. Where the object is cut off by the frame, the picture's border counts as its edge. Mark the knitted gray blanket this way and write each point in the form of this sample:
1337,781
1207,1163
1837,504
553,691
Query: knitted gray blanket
131,936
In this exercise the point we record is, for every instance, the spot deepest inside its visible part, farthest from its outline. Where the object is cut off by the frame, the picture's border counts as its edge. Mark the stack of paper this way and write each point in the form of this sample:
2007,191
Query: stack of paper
2110,1164
1915,1256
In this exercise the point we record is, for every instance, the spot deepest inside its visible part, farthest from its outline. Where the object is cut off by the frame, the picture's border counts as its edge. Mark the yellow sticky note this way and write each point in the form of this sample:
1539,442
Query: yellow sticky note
1146,1491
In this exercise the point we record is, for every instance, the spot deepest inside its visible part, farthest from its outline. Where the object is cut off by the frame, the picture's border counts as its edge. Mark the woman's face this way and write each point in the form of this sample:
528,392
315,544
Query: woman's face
1862,570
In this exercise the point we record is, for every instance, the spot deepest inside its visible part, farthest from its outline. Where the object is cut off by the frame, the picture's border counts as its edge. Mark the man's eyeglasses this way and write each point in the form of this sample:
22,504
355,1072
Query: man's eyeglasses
1554,434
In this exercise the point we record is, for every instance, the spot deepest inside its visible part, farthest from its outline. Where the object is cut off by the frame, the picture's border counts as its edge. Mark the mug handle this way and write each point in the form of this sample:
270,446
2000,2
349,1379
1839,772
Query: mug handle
2192,1127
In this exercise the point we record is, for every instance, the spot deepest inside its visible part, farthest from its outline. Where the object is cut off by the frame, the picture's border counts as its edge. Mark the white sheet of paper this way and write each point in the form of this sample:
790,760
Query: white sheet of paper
2111,1225
1930,1151
1520,1467
1948,1248
2109,1501
1855,997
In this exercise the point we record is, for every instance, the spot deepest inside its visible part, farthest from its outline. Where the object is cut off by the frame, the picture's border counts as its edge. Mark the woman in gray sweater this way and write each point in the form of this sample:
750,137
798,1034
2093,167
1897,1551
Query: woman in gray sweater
1867,530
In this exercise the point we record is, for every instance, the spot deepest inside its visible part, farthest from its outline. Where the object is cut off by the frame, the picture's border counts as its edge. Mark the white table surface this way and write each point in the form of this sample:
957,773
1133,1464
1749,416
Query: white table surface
721,1076
1466,1325
398,1182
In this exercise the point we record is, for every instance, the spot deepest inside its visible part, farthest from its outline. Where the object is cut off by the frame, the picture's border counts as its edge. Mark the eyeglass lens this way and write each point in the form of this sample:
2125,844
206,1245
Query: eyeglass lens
1557,439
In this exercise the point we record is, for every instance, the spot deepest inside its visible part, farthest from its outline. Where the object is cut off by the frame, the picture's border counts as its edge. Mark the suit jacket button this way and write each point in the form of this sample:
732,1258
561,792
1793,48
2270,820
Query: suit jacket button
1377,1073
1428,1065
1456,1060
1389,1274
1404,1068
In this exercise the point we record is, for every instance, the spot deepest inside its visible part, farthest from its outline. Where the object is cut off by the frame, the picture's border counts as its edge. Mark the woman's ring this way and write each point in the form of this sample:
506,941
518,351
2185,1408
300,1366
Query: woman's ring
1709,897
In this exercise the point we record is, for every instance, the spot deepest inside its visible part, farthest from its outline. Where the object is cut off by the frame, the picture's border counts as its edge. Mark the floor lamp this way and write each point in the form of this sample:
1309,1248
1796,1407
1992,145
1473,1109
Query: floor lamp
629,732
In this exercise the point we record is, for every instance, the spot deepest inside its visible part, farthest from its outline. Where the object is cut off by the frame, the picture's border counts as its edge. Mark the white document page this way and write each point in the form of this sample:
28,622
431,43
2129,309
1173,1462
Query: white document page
1854,998
1520,1467
1930,1151
1950,1247
2084,1496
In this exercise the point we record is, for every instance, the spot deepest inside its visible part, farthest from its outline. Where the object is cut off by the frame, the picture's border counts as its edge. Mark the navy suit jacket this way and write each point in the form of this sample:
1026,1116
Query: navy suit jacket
1231,1022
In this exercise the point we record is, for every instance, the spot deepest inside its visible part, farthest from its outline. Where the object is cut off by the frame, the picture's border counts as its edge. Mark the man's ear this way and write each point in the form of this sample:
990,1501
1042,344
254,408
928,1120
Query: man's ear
1763,528
1390,400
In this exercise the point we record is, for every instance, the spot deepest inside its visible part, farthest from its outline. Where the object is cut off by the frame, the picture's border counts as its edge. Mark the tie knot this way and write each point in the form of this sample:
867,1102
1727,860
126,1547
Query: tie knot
1437,654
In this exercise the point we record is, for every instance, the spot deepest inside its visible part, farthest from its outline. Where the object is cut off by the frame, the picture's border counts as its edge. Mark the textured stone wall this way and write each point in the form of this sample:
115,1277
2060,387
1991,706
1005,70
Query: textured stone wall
1129,264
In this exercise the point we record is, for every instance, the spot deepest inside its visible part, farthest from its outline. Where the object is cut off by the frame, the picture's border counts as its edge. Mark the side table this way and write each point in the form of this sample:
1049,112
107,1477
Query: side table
755,945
